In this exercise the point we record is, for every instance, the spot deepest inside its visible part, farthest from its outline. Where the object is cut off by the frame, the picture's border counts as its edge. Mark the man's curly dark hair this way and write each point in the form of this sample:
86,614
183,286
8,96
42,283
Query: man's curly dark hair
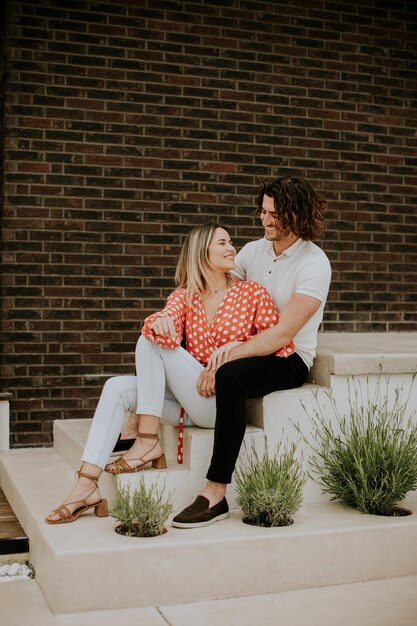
299,207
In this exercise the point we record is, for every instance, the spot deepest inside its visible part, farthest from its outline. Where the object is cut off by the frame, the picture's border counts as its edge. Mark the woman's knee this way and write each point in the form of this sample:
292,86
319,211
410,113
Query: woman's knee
141,342
111,386
115,383
119,387
145,348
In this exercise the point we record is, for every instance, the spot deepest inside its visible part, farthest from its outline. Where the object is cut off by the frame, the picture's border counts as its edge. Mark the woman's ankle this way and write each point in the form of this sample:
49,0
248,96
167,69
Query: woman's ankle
147,443
92,471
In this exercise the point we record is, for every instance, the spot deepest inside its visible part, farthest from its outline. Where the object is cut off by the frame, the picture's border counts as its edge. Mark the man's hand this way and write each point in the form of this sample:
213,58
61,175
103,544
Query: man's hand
221,355
206,384
164,326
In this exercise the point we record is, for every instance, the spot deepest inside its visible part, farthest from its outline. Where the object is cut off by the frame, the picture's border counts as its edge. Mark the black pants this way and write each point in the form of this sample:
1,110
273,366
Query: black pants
235,382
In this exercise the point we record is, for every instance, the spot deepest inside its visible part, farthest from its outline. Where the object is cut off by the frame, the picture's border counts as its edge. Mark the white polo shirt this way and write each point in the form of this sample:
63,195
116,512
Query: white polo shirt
302,268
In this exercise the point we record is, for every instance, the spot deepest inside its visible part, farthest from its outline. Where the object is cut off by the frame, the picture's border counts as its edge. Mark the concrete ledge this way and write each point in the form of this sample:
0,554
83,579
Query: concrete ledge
344,354
182,481
5,396
338,545
386,602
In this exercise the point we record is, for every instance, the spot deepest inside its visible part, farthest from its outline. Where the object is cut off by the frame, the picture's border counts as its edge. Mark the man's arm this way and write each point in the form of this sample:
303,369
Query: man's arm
297,313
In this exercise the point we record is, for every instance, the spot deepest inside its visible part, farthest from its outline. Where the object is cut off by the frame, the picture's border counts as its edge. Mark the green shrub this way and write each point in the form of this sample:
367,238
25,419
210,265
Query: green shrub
142,512
269,488
369,459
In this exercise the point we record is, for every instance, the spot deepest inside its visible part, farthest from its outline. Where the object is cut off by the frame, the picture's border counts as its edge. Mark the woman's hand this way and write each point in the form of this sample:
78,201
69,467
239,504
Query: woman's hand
221,355
206,384
164,326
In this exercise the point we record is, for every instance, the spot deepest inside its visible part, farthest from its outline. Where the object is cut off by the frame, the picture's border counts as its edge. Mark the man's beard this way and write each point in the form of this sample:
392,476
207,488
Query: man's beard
277,235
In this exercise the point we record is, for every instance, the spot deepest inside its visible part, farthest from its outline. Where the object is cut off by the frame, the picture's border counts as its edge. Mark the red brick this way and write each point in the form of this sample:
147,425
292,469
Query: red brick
113,153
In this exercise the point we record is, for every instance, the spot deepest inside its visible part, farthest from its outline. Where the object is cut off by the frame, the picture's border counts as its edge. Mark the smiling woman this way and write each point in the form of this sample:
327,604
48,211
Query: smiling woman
206,259
213,312
221,254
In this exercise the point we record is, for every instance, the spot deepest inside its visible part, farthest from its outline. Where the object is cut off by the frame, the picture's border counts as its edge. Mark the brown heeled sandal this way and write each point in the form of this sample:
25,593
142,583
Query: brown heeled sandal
101,508
121,465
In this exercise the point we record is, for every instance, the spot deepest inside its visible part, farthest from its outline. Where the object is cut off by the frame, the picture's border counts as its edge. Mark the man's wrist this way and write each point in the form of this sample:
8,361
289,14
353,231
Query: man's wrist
234,353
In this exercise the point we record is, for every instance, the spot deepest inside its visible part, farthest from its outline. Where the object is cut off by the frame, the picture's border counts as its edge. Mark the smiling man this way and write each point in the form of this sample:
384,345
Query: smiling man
297,274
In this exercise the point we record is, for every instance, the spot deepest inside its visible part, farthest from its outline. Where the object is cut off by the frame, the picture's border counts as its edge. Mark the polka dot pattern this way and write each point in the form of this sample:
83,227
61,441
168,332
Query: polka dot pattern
246,309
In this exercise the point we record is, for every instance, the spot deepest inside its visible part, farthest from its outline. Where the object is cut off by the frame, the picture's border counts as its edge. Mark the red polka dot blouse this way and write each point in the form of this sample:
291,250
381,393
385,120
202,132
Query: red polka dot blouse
246,309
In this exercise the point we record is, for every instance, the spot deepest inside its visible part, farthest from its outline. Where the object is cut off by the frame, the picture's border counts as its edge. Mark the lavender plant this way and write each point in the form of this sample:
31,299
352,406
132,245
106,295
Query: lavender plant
141,512
270,488
368,459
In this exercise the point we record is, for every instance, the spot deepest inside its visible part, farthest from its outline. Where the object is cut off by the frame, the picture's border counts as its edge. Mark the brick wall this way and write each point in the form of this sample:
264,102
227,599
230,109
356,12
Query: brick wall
129,122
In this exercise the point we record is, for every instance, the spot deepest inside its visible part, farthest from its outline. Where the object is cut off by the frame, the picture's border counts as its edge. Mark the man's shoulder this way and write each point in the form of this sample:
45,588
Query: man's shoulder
310,250
310,263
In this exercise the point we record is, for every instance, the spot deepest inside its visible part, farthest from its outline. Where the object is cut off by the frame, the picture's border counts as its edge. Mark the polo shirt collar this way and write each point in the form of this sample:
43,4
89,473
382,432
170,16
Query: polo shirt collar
288,252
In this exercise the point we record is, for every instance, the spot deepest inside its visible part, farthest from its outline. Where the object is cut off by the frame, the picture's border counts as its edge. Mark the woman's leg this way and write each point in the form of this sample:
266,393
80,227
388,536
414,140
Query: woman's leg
166,380
130,427
118,396
162,374
149,381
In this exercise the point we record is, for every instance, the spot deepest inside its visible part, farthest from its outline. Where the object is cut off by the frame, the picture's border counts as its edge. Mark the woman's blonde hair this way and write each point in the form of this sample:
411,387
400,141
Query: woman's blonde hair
193,267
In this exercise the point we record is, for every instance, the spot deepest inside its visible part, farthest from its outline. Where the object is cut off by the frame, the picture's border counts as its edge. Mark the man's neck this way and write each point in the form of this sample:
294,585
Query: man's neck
284,244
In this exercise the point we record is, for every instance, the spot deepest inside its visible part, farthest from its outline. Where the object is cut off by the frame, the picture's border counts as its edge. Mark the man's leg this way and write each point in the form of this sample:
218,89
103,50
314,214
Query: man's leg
235,382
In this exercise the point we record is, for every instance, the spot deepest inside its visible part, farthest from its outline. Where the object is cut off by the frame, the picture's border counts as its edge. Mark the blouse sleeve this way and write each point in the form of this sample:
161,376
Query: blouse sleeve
175,308
266,315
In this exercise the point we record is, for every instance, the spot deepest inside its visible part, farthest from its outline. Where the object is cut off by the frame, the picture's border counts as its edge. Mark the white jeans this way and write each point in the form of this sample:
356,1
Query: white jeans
166,381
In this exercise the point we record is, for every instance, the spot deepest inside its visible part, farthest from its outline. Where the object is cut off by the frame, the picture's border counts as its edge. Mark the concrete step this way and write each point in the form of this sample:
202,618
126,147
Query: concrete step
276,416
279,416
327,545
363,354
282,417
386,602
183,481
